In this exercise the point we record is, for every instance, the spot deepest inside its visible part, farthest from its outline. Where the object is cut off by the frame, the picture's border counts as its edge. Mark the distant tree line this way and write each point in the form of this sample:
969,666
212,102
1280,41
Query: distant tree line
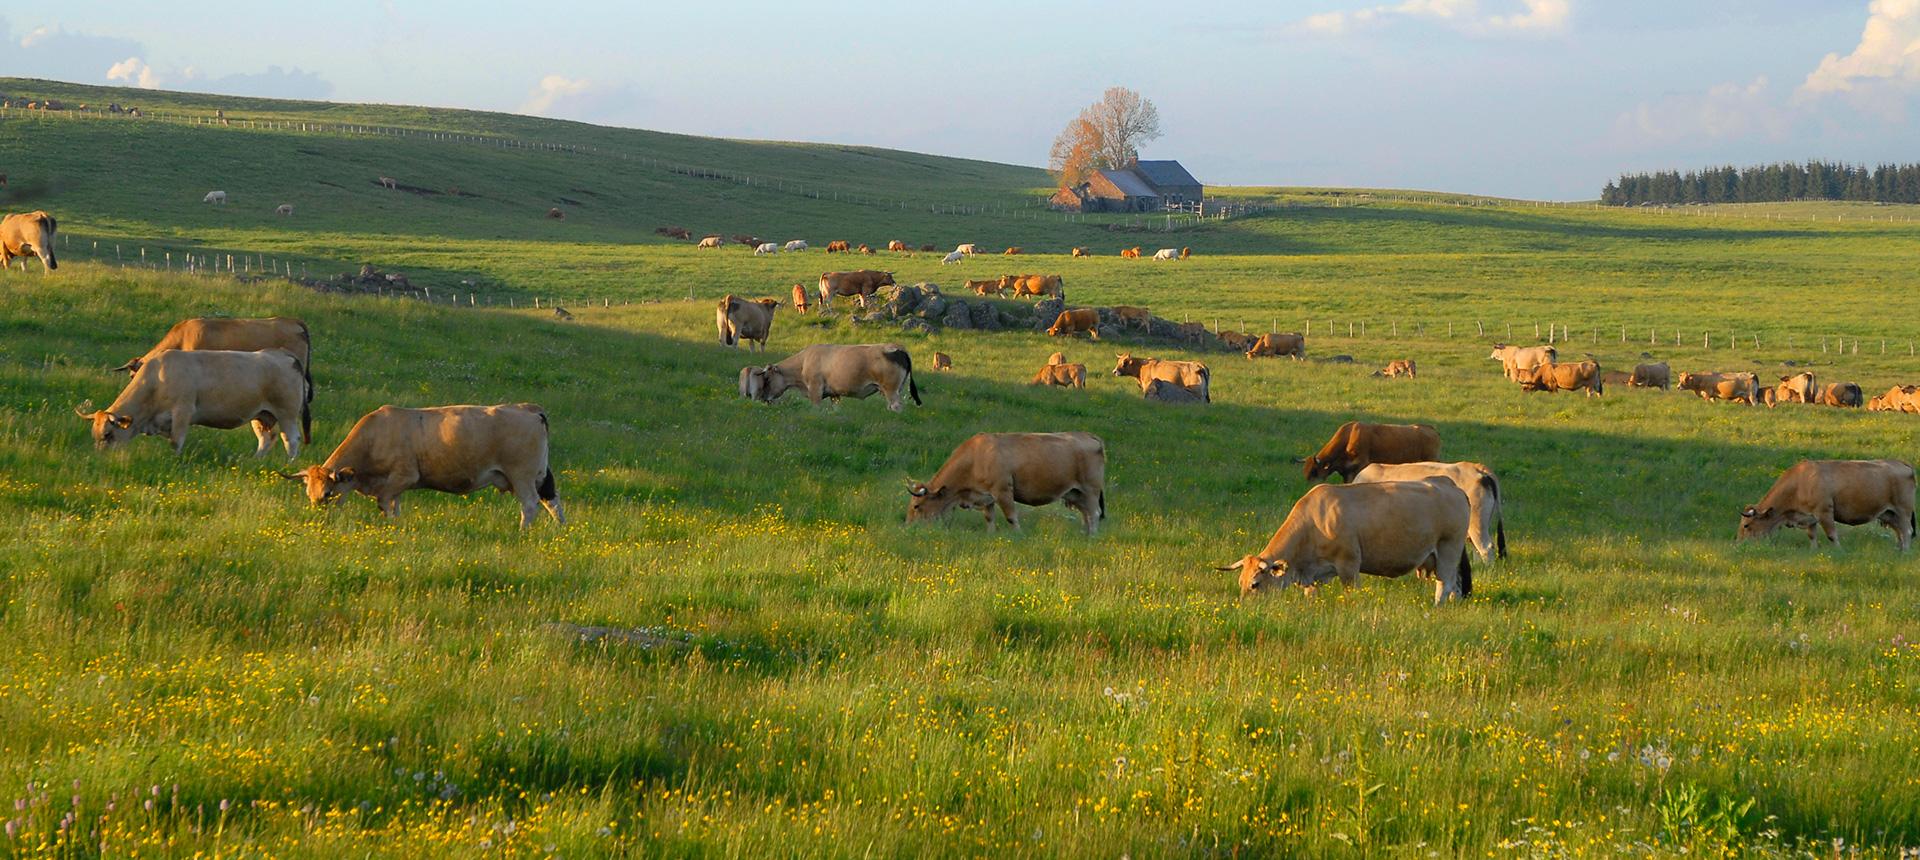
1814,180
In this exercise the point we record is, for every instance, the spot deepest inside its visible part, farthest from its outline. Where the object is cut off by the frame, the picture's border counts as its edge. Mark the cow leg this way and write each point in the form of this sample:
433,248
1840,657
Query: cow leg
1827,525
1005,499
182,419
893,399
263,435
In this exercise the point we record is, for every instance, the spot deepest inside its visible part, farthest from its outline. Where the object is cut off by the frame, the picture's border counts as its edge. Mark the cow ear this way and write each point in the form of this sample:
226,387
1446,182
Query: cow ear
342,475
120,421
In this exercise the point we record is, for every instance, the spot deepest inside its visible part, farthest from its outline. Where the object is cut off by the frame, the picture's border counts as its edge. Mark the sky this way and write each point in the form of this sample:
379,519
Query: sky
1543,99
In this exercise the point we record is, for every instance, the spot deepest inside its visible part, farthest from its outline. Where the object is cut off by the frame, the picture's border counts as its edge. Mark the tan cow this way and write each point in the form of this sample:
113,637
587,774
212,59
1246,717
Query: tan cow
839,246
1487,529
1578,376
1515,360
452,449
1133,316
1278,344
832,371
243,335
1012,251
1001,469
1079,251
1186,374
861,285
987,287
1236,341
223,389
1076,321
30,233
1842,394
897,245
1798,388
1820,493
1057,358
1162,391
799,299
712,242
1723,386
739,319
1651,376
1035,285
1397,368
1900,398
942,361
1358,444
1061,374
1389,530
968,249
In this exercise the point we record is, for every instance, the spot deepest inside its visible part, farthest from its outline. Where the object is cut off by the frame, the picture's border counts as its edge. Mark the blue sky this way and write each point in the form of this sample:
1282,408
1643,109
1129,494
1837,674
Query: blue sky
1533,98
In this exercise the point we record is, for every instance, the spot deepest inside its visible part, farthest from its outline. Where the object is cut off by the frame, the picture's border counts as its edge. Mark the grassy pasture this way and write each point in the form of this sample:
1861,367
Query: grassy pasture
805,675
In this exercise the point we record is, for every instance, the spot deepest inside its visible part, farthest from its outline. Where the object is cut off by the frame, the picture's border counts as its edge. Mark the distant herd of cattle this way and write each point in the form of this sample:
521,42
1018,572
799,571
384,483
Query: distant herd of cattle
1536,368
762,247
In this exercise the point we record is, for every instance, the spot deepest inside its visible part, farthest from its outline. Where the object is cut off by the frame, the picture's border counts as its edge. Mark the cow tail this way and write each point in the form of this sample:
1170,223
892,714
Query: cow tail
306,402
548,492
905,361
1206,384
1500,521
1466,573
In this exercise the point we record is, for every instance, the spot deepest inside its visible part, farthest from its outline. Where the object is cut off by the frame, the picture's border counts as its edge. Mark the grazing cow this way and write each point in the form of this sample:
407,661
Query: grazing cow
866,250
969,249
796,245
833,371
1061,374
1357,445
942,361
1769,397
1079,251
766,248
838,246
987,287
1843,394
1162,391
1012,251
1187,374
1000,469
224,389
388,183
897,245
1651,376
284,209
1035,285
1798,388
452,449
1900,398
1076,321
739,319
1057,358
1616,378
799,299
1277,344
1390,529
242,335
711,242
1397,368
1550,377
219,197
679,233
1819,493
953,257
1186,253
1518,360
1132,253
1167,254
556,214
1723,386
1236,341
928,247
1133,316
33,233
744,239
860,285
1486,528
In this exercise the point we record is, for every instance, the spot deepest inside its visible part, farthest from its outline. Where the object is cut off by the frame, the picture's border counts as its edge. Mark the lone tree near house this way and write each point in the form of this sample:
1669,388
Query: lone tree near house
1106,135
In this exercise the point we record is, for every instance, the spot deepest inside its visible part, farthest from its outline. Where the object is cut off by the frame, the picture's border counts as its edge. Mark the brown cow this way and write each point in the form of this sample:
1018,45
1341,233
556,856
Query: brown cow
1162,391
1187,374
1843,394
1651,376
832,371
1035,285
1276,344
556,214
1079,251
739,319
1550,377
1390,529
1723,386
838,246
1076,321
1798,388
942,361
1357,445
1057,358
221,388
1900,398
861,285
1820,493
1000,469
30,233
864,249
1397,368
1012,251
896,245
1186,253
1234,340
927,247
452,449
1061,374
1132,253
1619,378
749,241
799,299
1133,316
711,242
987,287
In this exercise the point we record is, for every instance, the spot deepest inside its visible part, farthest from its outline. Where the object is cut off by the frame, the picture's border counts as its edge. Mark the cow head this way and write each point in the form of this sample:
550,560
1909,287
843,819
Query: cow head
1316,468
109,429
1758,522
323,484
764,384
1258,575
1127,365
886,280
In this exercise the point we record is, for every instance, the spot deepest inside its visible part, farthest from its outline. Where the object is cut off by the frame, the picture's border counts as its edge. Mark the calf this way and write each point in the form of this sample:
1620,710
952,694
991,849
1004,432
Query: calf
1820,493
1397,368
1002,469
942,361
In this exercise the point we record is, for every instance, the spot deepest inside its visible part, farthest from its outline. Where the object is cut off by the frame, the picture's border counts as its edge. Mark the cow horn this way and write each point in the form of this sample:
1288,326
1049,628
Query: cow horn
133,364
916,489
291,476
1228,567
84,410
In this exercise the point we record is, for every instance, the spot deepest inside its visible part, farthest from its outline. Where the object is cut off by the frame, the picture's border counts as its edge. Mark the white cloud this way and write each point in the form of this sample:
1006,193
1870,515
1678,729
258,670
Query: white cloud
135,71
555,90
1532,16
1888,53
38,35
1725,112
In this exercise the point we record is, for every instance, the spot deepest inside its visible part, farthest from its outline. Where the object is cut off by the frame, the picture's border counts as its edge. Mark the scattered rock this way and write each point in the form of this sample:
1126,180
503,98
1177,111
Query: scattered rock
916,324
984,316
957,316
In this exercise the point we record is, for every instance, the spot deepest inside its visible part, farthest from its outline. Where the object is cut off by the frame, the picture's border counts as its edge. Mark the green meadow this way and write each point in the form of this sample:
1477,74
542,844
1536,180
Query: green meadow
197,662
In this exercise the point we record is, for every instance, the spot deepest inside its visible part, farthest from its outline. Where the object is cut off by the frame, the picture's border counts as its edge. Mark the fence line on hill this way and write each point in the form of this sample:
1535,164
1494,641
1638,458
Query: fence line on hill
249,267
